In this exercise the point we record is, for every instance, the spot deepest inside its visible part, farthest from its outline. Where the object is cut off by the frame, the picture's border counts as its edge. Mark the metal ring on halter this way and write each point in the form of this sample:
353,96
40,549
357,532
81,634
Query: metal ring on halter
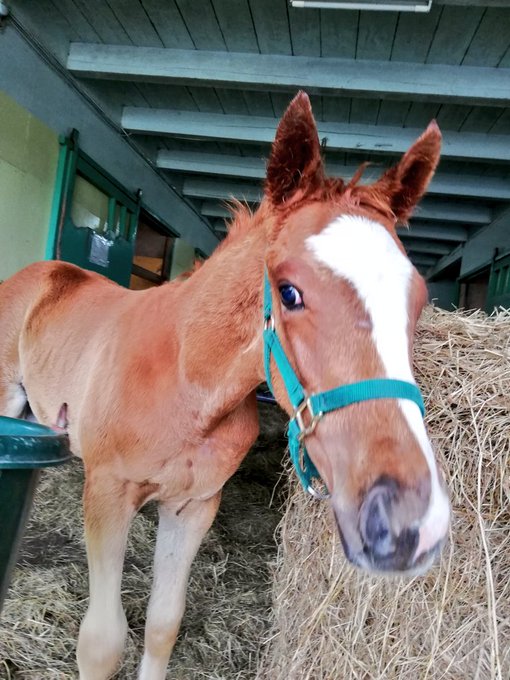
318,495
269,323
314,418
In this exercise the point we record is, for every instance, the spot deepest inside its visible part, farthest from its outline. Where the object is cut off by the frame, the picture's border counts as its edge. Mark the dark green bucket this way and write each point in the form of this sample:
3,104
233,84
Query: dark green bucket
25,448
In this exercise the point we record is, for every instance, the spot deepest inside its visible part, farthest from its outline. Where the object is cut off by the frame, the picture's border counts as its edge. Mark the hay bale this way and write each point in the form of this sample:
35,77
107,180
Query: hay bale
331,622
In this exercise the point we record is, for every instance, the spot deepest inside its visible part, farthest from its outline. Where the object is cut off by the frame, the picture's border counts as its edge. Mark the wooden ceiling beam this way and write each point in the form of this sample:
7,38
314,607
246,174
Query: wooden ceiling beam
428,247
251,167
429,209
433,231
359,78
340,136
425,261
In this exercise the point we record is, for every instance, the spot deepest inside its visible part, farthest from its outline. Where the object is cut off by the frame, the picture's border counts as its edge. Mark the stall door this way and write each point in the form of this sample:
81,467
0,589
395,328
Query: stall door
499,284
95,218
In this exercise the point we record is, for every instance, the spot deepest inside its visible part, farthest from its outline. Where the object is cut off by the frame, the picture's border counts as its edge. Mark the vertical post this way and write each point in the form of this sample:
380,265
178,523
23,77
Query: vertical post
64,186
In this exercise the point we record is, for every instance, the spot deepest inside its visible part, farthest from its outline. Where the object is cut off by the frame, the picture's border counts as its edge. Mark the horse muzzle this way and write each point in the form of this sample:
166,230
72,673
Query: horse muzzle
387,532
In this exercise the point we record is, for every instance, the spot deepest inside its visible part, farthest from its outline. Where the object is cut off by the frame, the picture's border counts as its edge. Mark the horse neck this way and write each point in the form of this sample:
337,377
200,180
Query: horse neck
221,352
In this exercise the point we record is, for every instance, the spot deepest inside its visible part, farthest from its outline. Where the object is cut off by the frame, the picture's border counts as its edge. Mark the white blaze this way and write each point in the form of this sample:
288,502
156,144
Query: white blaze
364,253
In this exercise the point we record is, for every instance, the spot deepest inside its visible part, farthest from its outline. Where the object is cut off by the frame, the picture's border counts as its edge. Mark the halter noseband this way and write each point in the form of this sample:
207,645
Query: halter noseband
309,409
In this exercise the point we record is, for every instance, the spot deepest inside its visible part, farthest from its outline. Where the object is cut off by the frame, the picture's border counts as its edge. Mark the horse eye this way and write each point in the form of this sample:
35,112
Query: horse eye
291,297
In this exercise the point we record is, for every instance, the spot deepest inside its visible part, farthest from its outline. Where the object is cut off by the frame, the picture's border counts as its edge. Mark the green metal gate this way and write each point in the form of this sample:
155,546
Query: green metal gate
499,284
107,249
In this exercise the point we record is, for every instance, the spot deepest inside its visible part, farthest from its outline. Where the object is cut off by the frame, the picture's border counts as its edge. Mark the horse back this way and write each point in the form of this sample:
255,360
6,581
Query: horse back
18,294
47,312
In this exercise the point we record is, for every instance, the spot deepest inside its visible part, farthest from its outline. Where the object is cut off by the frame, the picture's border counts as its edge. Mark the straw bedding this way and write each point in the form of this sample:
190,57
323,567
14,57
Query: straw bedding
328,622
331,622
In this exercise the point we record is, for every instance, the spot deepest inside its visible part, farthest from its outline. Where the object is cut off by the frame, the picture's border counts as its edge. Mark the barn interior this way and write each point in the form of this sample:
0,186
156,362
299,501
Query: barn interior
145,117
126,127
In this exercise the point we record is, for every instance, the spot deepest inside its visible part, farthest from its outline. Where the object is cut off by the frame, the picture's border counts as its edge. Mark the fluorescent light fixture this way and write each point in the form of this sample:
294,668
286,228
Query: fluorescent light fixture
370,5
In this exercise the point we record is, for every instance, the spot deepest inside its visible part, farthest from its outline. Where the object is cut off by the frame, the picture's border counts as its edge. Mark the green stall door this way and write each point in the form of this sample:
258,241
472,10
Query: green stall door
94,219
499,284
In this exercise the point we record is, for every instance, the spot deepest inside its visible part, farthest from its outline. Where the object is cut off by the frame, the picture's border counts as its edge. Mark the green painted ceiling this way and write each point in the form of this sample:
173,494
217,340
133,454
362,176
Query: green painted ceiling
224,70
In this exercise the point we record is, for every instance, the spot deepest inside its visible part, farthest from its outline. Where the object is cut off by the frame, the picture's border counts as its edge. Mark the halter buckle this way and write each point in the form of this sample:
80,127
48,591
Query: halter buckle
306,428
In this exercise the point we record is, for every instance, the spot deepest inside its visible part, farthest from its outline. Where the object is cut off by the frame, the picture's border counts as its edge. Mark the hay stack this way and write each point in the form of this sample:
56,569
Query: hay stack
334,623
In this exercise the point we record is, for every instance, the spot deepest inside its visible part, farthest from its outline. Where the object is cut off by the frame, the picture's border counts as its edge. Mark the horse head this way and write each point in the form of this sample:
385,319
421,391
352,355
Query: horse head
346,300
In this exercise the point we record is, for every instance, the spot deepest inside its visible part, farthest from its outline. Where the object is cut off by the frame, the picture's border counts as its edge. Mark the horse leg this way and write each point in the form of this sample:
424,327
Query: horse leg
108,511
179,536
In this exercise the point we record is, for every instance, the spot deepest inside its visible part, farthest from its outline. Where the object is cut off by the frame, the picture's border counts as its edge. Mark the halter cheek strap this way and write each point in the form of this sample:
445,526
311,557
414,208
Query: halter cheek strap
309,409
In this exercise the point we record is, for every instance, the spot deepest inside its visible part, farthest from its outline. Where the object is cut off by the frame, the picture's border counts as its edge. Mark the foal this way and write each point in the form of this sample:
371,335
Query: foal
160,384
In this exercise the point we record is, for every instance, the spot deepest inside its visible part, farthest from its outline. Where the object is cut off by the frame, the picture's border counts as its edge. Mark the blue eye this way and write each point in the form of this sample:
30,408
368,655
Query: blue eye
291,297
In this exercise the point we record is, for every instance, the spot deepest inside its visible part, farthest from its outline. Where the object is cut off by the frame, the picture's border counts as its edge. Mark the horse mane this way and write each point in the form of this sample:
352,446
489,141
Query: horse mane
244,221
351,196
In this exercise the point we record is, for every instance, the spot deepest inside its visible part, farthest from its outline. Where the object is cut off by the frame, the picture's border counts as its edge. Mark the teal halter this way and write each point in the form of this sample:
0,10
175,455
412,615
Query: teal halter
309,409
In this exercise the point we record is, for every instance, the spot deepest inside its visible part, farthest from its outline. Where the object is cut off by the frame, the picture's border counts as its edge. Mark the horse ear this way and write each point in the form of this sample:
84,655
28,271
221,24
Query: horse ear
407,181
295,163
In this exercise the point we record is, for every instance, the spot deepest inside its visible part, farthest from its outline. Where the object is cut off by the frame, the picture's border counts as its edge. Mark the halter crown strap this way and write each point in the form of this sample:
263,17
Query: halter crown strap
308,410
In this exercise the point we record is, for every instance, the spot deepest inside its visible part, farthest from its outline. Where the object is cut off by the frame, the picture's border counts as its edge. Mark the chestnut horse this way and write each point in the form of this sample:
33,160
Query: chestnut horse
160,384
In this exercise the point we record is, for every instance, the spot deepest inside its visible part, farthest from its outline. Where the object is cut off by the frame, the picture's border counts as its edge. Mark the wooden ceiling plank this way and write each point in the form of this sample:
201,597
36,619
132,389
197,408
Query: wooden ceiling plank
505,60
104,22
452,116
305,32
375,35
202,24
135,22
280,101
364,111
171,28
339,34
462,85
78,20
258,103
421,113
163,96
414,35
271,26
232,101
491,39
236,25
502,125
336,109
393,113
258,129
206,99
453,35
48,22
481,119
115,95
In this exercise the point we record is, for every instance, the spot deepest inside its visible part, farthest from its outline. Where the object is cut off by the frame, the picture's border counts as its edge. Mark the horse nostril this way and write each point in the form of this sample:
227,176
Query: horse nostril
375,523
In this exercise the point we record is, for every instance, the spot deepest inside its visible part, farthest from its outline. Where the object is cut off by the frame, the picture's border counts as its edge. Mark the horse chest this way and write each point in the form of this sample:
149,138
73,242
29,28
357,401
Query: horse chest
218,456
